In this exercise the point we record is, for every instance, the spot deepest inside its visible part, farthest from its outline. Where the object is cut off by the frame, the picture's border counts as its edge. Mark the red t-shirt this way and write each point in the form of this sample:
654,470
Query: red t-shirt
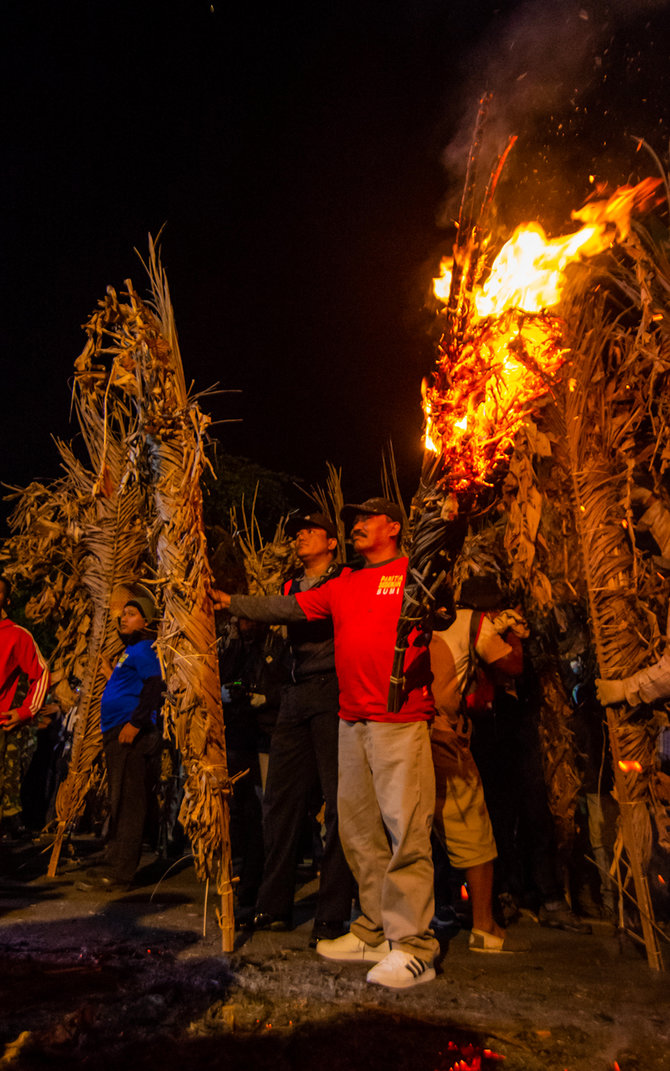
365,606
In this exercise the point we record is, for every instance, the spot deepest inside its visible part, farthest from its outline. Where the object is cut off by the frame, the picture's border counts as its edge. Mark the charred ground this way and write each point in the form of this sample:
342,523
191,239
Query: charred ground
105,981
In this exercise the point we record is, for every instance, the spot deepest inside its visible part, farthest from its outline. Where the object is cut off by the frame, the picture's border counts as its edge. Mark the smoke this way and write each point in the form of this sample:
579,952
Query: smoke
545,66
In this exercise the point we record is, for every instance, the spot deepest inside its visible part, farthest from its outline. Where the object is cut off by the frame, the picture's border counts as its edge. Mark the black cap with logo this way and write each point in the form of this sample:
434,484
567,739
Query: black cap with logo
373,506
310,520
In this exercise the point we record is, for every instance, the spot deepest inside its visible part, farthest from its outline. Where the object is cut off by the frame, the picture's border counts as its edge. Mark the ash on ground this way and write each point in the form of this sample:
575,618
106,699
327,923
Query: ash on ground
138,979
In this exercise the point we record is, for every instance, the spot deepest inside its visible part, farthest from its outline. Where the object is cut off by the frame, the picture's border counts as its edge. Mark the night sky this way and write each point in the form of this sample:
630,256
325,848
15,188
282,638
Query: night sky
306,161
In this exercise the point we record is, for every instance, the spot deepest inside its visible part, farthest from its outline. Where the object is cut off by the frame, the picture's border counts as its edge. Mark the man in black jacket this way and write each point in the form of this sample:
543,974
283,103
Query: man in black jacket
303,750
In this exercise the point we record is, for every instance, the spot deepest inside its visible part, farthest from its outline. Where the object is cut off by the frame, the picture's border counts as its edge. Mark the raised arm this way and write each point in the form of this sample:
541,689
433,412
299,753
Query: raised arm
273,609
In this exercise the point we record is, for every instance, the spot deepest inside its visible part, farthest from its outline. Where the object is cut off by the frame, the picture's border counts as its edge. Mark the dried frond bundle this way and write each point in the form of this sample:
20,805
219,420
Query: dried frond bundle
111,541
604,410
173,433
526,507
266,561
330,501
482,554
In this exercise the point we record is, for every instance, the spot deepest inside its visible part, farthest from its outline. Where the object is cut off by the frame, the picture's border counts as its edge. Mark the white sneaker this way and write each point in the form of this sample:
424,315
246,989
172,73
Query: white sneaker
400,970
350,948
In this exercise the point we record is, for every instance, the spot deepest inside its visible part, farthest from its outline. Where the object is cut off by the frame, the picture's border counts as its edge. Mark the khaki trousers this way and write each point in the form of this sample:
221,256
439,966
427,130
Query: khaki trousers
386,802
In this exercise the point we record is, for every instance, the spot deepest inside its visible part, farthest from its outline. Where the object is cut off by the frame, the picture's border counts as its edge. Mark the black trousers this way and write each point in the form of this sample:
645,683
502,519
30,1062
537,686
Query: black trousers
303,752
132,773
506,749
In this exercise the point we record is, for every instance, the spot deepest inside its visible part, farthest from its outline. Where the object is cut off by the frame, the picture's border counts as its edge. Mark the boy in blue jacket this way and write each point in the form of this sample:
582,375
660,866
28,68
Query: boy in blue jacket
131,741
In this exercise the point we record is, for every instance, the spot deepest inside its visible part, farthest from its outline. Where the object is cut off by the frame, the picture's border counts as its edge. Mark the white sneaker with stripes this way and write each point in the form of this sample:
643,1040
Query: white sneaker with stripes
351,949
400,970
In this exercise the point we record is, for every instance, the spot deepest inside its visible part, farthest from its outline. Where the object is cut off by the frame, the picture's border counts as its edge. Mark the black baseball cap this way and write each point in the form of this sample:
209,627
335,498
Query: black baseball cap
374,506
310,520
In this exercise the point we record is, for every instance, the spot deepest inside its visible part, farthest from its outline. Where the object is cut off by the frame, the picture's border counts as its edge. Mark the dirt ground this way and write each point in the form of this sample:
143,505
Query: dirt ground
131,980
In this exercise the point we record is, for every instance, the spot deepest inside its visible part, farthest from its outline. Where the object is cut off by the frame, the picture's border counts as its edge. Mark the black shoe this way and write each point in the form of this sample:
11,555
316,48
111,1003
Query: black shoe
327,931
96,881
562,918
264,921
445,922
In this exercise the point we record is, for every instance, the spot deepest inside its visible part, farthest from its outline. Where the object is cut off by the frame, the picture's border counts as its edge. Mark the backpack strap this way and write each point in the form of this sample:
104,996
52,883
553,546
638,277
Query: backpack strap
473,657
473,660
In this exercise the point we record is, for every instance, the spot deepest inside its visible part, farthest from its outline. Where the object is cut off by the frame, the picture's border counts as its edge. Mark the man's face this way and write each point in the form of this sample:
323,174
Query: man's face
131,621
312,543
373,531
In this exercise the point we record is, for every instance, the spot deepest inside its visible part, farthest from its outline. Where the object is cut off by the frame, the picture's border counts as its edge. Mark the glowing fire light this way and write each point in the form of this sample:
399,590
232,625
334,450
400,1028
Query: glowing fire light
630,766
442,285
511,346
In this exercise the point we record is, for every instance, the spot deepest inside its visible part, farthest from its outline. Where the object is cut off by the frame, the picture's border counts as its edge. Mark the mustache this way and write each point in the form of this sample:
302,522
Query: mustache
357,531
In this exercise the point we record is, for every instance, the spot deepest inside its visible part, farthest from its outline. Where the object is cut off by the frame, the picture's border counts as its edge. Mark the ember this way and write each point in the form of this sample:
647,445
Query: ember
472,1058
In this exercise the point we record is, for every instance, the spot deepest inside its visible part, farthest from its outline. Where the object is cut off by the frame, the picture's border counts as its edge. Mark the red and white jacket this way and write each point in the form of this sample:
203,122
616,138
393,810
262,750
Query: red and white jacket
20,654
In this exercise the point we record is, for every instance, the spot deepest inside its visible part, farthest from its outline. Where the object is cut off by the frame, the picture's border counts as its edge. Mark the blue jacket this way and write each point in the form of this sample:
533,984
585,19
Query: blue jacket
133,692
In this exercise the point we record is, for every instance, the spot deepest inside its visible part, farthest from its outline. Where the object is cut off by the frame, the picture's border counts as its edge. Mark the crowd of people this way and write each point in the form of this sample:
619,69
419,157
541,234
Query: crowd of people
413,808
402,808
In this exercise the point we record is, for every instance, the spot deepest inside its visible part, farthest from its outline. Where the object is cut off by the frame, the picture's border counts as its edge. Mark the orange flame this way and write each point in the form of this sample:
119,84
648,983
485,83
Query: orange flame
442,285
512,342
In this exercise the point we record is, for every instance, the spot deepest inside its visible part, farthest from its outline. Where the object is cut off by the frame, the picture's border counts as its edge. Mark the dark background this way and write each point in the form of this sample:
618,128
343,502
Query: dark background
307,161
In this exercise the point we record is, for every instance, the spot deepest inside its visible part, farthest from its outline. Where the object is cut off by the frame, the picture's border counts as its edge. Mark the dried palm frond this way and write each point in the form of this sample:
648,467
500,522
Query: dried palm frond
145,437
77,538
482,554
173,431
605,412
525,509
267,562
330,501
390,485
542,575
111,538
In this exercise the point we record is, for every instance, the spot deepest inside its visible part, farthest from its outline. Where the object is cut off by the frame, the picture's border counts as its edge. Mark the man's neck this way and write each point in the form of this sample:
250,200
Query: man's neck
382,555
316,566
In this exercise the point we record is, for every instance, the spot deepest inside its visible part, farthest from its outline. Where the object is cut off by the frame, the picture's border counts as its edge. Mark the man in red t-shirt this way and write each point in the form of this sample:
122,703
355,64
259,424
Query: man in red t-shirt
386,793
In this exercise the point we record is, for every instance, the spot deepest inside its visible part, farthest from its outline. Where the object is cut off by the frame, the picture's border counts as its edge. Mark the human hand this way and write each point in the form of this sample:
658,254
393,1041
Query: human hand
220,599
128,733
515,621
610,692
46,714
10,719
